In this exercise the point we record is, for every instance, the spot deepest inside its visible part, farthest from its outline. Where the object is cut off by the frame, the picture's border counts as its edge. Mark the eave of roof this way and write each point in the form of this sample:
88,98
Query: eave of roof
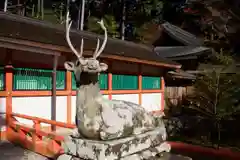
23,28
181,35
181,52
182,74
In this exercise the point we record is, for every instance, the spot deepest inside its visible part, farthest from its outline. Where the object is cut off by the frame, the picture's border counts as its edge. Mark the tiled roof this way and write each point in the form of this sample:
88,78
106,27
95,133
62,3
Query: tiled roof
23,28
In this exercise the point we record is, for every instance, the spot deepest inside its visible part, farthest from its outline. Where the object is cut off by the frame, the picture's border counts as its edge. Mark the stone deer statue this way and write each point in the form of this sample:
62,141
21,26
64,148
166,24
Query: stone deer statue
98,118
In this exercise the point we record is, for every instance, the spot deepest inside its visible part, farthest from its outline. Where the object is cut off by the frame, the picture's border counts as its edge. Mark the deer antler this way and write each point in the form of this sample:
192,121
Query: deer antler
79,56
96,50
68,27
97,53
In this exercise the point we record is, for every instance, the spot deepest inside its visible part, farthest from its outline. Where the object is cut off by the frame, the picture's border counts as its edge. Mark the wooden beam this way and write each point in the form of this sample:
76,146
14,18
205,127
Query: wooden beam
21,47
54,89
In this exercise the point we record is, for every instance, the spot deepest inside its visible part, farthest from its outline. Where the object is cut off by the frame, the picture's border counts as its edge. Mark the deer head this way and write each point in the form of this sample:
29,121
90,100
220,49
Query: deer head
85,65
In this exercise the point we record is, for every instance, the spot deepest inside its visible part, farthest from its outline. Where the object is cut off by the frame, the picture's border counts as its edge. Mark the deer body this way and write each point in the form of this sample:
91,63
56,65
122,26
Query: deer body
99,118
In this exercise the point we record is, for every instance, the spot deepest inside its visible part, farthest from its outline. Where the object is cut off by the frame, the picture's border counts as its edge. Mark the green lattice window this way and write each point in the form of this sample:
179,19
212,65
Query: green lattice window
36,79
74,87
103,81
151,82
2,78
124,82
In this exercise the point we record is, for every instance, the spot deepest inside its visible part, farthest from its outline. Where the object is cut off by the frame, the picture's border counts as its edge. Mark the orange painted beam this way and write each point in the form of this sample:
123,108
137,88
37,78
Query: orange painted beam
38,132
222,152
3,135
67,92
3,94
38,93
125,91
56,123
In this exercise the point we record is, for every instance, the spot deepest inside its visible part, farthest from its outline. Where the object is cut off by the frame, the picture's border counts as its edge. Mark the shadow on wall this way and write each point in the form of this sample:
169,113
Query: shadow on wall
2,115
2,123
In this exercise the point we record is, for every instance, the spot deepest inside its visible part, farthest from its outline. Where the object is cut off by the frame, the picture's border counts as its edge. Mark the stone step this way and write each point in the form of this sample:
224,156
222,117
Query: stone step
114,149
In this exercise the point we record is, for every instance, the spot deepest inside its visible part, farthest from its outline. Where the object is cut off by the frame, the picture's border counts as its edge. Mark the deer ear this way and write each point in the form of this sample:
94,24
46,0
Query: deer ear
103,67
69,66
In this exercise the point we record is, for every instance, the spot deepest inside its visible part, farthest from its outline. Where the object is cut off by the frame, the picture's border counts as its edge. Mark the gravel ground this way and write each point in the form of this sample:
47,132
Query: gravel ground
9,151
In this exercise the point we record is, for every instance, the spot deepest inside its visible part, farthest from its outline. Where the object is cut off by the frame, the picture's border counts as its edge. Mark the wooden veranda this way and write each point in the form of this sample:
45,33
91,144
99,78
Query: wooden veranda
31,43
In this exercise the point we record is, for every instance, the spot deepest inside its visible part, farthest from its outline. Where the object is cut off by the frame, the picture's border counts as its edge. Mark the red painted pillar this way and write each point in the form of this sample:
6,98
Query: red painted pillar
9,86
69,96
163,92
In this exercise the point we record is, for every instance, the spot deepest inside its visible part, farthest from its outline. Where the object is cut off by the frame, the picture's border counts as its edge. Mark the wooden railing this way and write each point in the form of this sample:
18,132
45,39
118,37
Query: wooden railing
34,138
49,144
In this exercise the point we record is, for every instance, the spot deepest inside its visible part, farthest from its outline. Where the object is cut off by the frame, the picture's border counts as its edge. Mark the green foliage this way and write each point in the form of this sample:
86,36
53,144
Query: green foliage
109,22
216,94
59,9
212,108
142,15
217,91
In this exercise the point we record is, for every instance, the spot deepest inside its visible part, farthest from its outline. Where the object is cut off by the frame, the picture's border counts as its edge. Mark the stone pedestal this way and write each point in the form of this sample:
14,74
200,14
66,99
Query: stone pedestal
137,147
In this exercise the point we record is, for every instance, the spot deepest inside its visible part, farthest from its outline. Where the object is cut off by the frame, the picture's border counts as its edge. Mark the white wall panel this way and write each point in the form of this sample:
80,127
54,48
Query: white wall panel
127,97
32,106
39,107
73,108
62,109
2,114
151,101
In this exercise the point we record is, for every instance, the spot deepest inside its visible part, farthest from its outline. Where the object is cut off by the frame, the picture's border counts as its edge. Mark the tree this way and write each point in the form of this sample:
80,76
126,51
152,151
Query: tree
217,21
137,15
109,22
59,9
216,94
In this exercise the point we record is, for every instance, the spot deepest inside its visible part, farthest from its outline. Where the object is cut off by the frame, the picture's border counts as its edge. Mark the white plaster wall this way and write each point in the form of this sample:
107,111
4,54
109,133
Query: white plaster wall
127,97
151,101
74,107
39,107
62,109
73,101
2,114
